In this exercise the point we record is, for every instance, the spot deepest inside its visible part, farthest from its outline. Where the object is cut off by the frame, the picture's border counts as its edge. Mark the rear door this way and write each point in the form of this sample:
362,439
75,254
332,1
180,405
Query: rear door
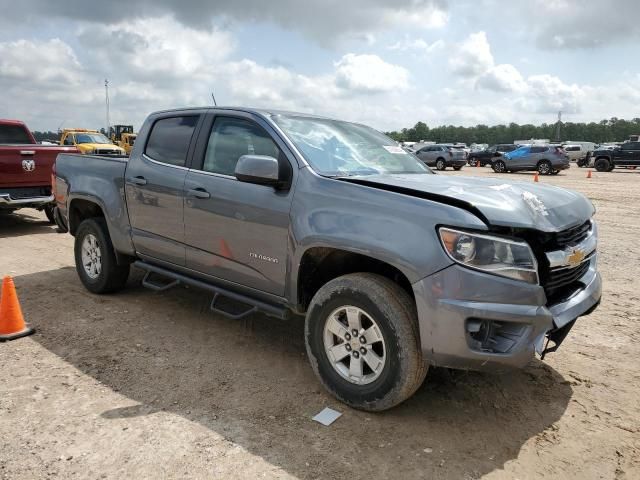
630,153
155,186
237,231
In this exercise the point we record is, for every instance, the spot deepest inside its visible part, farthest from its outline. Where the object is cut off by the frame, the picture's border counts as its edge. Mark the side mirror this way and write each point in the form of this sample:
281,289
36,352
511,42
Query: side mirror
258,169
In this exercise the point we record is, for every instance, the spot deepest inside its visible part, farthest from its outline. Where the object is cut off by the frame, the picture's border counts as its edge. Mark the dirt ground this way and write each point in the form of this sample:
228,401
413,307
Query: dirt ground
147,385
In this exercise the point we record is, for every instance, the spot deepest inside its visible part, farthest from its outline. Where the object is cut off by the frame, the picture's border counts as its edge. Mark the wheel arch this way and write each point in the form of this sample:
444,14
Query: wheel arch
320,264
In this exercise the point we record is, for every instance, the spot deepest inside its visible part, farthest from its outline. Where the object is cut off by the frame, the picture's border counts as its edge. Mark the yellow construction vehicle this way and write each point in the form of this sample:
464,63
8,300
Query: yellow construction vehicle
123,136
89,142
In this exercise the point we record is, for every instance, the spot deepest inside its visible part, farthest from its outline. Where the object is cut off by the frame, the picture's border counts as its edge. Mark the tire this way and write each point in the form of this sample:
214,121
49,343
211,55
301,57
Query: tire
602,164
374,301
474,162
457,168
499,166
582,162
441,164
544,167
48,211
109,276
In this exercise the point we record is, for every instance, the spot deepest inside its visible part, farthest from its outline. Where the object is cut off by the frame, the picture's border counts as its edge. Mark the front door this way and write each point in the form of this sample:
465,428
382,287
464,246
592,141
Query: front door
237,231
155,189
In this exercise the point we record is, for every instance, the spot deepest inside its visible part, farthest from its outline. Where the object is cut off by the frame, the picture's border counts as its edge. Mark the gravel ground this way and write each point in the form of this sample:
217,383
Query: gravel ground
144,385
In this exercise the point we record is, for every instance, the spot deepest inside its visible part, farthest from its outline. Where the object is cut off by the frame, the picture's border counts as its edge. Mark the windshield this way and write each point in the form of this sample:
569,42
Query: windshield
91,138
336,148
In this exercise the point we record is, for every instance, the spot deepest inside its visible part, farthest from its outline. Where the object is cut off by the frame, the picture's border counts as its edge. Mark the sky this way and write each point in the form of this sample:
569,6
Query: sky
385,63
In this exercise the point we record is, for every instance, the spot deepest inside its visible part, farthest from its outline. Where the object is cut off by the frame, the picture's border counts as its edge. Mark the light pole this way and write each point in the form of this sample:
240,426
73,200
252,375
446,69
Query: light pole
106,99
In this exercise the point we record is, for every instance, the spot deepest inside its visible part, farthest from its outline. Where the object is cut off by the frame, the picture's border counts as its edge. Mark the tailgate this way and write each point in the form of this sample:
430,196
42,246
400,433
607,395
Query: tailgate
27,165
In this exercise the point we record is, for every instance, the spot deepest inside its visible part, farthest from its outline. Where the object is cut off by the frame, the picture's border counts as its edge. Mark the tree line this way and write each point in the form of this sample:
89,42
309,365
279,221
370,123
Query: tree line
612,130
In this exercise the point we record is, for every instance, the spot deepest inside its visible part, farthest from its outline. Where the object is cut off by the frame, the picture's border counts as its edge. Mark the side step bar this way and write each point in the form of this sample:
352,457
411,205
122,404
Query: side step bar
219,293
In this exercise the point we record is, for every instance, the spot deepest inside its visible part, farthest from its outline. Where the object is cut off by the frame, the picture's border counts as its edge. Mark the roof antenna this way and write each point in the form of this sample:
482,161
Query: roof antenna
214,100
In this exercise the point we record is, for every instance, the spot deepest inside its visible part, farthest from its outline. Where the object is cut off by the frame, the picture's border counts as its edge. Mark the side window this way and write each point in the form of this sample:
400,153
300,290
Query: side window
631,146
231,138
538,149
68,140
169,139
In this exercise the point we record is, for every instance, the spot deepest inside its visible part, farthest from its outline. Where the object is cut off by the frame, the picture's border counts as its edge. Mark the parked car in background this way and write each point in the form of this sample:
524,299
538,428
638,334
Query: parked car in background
442,156
485,157
546,159
25,169
90,142
395,269
575,152
626,155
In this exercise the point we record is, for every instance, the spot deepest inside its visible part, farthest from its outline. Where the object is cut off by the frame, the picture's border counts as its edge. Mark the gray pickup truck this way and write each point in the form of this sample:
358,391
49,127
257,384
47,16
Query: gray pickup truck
394,268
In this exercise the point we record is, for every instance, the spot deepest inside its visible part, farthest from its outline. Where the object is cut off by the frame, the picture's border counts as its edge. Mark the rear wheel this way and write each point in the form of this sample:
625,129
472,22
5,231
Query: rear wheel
96,260
544,167
602,164
499,166
361,333
441,164
48,211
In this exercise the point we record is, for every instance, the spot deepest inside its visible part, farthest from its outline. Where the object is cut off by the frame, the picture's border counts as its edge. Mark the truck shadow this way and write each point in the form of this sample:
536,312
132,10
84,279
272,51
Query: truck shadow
249,382
24,222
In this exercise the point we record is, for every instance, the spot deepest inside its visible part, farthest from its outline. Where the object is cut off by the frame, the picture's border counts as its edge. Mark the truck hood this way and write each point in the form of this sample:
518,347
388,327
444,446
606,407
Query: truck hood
498,203
90,147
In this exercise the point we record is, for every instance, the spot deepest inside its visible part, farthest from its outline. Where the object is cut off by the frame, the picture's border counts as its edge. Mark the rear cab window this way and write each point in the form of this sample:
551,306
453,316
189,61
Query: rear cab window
169,139
14,134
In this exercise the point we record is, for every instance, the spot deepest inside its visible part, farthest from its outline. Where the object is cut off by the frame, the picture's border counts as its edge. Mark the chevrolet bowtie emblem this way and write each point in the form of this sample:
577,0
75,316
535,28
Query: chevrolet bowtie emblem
575,258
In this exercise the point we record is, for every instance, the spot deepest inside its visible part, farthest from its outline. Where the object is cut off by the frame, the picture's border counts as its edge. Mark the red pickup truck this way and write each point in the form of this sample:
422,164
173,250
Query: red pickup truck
25,169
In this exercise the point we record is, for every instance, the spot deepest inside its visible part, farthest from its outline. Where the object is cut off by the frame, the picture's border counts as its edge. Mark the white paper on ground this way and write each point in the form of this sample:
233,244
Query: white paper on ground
327,416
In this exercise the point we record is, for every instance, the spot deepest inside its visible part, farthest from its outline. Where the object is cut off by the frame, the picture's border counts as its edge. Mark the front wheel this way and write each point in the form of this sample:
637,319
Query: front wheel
95,258
362,339
440,164
499,166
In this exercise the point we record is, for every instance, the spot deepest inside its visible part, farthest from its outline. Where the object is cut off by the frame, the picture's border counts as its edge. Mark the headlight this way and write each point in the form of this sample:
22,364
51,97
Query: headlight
499,256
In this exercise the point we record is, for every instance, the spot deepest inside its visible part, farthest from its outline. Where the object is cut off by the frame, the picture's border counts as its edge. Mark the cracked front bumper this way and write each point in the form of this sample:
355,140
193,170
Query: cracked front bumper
473,320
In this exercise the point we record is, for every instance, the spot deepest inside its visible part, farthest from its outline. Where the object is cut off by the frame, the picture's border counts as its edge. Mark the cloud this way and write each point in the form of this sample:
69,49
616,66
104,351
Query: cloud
326,21
549,94
472,57
502,78
416,45
565,24
369,73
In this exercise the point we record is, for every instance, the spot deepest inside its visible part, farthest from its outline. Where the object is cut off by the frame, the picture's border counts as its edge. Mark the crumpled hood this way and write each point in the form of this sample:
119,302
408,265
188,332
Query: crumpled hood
507,204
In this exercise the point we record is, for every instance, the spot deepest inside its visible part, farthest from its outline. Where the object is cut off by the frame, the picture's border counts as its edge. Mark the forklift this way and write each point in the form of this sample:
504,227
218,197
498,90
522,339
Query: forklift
123,136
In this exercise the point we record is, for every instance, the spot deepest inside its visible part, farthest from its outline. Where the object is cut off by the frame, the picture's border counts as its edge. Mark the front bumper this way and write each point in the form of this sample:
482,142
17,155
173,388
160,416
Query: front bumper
8,202
473,320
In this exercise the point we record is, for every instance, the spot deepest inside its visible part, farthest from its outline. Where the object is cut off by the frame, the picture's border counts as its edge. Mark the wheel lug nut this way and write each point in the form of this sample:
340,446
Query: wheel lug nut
355,332
363,350
355,354
347,347
363,340
347,336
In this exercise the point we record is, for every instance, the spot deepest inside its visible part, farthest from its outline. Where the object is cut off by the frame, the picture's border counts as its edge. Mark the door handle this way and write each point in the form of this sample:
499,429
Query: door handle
137,180
198,193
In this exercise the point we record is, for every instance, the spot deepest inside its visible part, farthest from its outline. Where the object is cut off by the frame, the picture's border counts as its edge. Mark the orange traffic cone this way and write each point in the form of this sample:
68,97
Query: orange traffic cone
12,324
535,178
589,174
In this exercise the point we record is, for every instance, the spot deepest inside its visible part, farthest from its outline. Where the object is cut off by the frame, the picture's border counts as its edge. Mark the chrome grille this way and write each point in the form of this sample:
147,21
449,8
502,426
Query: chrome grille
572,236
